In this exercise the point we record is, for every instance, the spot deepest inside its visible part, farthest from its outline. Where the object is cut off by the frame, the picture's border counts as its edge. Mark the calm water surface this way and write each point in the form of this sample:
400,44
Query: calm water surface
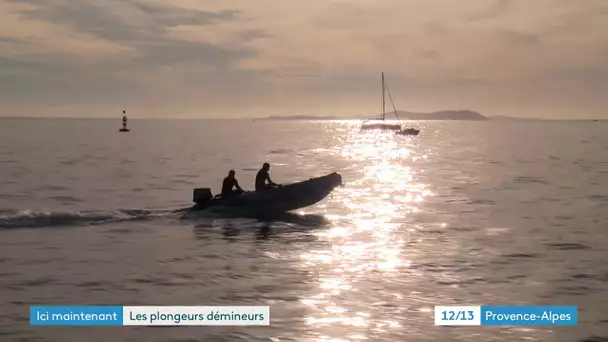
466,213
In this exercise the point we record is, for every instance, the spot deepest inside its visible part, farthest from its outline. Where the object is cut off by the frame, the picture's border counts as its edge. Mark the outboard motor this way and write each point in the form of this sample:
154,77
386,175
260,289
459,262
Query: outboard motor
202,195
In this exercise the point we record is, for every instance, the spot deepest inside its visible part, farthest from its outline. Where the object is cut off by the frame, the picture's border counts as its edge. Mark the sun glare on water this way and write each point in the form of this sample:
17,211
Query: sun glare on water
370,244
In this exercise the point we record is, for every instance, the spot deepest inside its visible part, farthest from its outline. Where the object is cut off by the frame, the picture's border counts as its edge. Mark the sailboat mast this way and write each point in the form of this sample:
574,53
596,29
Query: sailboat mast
383,102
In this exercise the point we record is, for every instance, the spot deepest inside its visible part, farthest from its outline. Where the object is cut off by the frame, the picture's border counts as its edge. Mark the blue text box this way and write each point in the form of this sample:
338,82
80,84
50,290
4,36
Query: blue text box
529,315
76,315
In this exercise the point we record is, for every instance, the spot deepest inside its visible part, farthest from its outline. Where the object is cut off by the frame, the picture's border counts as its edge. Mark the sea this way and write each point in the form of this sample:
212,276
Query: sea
466,213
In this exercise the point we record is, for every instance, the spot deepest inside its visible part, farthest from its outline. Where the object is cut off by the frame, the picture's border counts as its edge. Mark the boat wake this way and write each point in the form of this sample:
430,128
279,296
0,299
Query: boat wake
286,217
11,218
264,226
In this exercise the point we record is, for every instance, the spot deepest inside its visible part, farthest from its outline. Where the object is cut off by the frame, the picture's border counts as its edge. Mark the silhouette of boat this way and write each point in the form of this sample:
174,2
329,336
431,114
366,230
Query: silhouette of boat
369,125
272,201
408,131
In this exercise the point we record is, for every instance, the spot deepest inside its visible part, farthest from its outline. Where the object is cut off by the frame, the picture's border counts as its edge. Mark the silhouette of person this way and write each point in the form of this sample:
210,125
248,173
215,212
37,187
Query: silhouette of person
262,177
229,183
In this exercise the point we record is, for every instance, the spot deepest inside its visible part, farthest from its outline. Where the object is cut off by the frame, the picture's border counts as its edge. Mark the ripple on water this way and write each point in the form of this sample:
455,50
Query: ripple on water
156,281
71,161
366,274
599,198
182,182
65,199
280,151
523,256
93,285
52,188
595,339
530,180
567,246
586,276
573,290
37,282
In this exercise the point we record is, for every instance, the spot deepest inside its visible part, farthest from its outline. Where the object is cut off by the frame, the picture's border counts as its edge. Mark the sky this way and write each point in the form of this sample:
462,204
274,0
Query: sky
244,58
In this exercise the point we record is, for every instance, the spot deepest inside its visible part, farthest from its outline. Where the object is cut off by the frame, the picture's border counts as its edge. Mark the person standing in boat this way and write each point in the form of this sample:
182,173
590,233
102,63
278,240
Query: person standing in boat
229,183
262,177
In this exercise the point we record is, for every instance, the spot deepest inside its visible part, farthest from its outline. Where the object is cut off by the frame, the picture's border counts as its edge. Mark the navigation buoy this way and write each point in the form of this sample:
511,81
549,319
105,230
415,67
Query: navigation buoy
124,123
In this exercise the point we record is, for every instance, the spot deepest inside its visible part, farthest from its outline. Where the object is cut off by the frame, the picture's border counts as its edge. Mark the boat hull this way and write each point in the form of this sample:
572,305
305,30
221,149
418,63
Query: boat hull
272,201
380,126
409,131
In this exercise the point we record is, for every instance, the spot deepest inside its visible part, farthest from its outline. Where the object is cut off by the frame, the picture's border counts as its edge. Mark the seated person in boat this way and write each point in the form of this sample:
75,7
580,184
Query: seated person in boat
262,177
229,183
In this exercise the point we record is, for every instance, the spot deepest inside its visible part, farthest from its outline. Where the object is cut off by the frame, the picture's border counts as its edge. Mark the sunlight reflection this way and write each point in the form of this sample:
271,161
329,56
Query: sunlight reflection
335,285
329,339
353,321
335,309
369,240
338,232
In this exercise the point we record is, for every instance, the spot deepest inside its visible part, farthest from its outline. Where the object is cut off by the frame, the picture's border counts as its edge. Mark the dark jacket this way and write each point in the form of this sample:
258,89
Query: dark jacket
260,180
228,184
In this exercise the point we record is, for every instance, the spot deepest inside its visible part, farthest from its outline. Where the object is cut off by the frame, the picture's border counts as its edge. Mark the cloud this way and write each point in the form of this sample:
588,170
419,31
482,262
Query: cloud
149,67
165,15
236,57
119,20
495,9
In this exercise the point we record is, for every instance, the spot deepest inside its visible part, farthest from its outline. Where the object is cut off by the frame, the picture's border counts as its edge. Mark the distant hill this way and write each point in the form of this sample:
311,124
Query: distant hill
442,115
404,115
512,118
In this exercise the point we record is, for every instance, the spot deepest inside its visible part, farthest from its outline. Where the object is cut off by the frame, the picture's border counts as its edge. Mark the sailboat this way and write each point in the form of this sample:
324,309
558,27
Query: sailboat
367,125
386,126
124,123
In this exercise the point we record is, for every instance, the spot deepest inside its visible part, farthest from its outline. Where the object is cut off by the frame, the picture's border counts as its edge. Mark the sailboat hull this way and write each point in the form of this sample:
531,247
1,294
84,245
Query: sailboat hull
380,126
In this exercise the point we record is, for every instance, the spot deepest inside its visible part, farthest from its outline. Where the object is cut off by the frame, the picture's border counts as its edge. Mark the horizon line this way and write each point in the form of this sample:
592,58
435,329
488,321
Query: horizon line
275,117
302,116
